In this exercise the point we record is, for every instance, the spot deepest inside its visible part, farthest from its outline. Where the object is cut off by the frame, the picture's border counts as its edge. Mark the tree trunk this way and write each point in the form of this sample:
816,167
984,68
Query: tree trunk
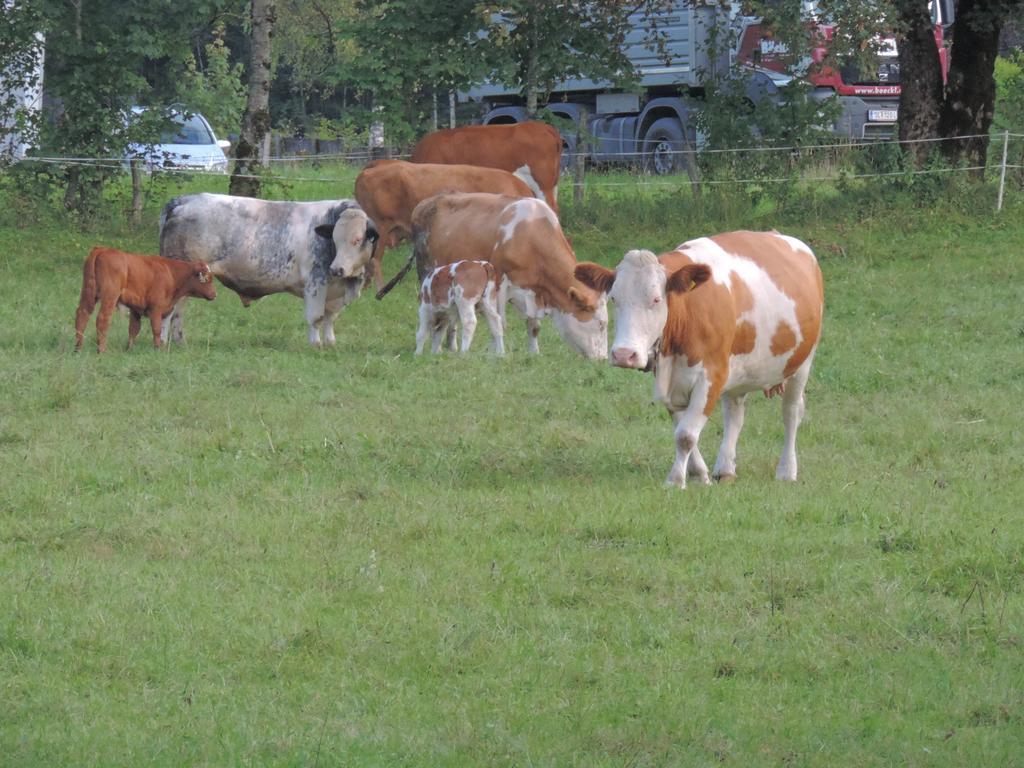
71,196
920,78
531,72
971,86
256,120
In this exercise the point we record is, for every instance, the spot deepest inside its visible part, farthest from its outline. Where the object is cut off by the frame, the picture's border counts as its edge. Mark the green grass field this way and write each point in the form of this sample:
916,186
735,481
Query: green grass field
249,552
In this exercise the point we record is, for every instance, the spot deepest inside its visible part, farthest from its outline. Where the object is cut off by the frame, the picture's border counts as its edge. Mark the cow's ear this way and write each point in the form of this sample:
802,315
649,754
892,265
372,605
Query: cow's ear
584,302
371,232
687,278
325,230
595,276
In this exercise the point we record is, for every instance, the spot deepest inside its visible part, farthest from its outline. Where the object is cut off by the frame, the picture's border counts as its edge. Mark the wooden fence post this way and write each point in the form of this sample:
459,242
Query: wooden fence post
1002,171
579,161
136,191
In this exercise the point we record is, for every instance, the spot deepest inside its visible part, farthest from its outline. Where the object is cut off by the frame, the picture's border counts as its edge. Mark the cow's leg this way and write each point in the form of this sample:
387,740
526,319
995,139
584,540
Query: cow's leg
315,295
81,320
792,415
107,306
439,329
173,329
490,310
467,319
156,322
502,302
733,410
134,325
331,310
377,259
424,330
688,426
697,468
532,332
449,335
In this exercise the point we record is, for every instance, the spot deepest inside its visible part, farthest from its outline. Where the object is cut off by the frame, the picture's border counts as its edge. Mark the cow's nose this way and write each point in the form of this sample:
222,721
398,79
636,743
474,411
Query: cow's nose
338,271
623,357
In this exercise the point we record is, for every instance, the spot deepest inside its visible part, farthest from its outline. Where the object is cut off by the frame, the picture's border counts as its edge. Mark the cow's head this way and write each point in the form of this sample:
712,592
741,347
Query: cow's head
585,327
352,238
200,283
639,286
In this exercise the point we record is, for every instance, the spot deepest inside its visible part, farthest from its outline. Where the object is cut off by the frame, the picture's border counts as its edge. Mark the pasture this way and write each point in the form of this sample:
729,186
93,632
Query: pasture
246,551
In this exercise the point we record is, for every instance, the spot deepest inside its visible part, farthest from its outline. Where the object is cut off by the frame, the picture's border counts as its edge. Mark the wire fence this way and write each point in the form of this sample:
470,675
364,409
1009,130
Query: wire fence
800,157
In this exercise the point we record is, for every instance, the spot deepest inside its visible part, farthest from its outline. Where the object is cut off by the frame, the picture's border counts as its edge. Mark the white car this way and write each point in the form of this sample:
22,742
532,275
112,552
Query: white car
192,144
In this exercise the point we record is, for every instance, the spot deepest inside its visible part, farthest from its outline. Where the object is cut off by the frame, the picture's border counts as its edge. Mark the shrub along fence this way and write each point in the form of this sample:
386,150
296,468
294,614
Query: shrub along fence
753,168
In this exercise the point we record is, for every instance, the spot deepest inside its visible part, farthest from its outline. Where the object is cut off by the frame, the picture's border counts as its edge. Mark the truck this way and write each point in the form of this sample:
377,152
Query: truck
655,121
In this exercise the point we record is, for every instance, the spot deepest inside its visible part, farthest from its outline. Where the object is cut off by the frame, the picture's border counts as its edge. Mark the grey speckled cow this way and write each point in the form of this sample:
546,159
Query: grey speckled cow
315,250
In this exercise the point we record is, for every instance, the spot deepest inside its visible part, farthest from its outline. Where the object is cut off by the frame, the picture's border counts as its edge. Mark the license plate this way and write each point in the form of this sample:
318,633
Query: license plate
882,115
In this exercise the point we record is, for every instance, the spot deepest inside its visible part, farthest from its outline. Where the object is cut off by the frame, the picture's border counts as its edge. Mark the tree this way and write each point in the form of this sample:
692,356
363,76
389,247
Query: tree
215,91
20,72
431,48
962,112
256,120
96,73
920,77
969,104
539,42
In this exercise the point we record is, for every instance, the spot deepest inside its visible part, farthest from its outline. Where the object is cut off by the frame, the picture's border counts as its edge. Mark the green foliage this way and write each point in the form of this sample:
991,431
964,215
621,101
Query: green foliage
536,44
217,92
96,70
20,56
1009,74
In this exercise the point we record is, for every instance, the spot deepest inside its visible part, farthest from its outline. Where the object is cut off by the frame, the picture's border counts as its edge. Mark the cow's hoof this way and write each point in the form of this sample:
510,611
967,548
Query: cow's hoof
675,481
700,479
726,479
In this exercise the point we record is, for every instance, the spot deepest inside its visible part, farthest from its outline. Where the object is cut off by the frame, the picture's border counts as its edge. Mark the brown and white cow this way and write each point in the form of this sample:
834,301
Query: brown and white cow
531,150
719,317
451,293
521,237
146,285
389,190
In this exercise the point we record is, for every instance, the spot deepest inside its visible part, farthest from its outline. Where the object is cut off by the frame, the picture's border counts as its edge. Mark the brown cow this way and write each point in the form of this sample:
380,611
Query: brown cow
534,262
531,150
388,190
145,285
719,317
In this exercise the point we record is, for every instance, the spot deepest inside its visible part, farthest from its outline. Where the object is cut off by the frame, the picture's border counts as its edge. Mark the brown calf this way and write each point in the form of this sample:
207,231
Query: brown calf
146,285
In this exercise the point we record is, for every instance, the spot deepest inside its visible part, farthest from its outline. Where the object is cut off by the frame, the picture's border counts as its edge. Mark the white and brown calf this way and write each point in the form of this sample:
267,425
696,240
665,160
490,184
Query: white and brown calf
450,294
717,318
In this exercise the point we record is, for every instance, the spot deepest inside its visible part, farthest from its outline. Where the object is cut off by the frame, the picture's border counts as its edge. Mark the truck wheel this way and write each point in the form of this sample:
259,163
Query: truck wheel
663,146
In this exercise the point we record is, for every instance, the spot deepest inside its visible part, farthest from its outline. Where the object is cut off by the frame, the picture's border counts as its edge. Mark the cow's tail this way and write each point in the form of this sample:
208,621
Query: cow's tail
420,253
397,278
165,215
90,293
88,298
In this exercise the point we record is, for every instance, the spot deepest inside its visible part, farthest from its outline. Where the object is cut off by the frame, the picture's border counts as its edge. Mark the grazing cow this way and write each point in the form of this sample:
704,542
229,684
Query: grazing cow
389,190
145,285
531,150
718,317
315,250
451,293
533,261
